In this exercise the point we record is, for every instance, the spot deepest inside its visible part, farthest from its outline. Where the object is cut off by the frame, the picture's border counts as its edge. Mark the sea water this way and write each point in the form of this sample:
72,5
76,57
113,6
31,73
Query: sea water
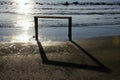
90,18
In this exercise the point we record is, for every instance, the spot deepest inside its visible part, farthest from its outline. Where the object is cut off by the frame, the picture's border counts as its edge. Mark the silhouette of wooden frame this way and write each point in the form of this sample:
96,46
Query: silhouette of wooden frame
54,17
101,67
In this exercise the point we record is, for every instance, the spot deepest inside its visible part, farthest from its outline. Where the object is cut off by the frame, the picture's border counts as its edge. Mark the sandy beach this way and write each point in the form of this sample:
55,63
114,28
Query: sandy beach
22,61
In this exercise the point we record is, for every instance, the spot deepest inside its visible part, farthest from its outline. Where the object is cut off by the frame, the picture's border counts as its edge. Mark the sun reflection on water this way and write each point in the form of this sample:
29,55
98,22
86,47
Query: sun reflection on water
22,7
24,21
22,1
25,26
21,38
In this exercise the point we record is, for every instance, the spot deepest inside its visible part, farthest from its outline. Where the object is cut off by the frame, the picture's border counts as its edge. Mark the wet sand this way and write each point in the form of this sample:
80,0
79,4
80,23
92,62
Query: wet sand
22,61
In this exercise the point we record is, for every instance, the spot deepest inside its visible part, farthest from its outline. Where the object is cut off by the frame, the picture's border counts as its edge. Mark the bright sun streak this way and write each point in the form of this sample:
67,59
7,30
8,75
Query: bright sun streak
21,38
22,1
25,25
22,7
25,9
24,22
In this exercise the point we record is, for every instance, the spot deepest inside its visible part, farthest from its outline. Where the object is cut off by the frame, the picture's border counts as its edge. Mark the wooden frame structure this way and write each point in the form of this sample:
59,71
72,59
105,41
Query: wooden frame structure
54,17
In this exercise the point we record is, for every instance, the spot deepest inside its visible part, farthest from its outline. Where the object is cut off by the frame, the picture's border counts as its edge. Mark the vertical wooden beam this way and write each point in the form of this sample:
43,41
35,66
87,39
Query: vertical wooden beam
70,28
36,27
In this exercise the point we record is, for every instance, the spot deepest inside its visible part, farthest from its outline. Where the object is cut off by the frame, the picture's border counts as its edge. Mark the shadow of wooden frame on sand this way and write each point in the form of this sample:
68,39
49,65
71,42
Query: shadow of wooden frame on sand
100,67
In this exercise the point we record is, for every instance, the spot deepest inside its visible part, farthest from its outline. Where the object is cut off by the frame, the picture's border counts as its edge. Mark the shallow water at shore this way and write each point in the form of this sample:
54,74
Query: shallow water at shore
55,33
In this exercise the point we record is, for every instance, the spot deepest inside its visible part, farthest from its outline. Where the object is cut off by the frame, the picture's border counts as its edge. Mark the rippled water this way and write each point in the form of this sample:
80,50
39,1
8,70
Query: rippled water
90,19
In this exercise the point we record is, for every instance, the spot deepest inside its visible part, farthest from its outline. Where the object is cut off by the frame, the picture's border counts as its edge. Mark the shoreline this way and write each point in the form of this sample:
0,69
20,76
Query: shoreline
58,34
89,38
91,44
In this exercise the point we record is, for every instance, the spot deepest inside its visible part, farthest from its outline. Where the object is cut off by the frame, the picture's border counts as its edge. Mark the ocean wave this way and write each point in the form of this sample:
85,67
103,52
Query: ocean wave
64,13
79,25
81,8
6,25
12,12
79,13
71,3
62,25
94,24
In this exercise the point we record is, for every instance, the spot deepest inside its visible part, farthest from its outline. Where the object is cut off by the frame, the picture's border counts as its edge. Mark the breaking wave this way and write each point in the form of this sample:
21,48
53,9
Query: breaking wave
10,25
72,3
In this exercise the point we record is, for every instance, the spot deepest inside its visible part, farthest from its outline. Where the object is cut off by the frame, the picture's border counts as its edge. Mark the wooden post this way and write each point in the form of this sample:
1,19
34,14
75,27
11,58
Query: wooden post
36,27
70,29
